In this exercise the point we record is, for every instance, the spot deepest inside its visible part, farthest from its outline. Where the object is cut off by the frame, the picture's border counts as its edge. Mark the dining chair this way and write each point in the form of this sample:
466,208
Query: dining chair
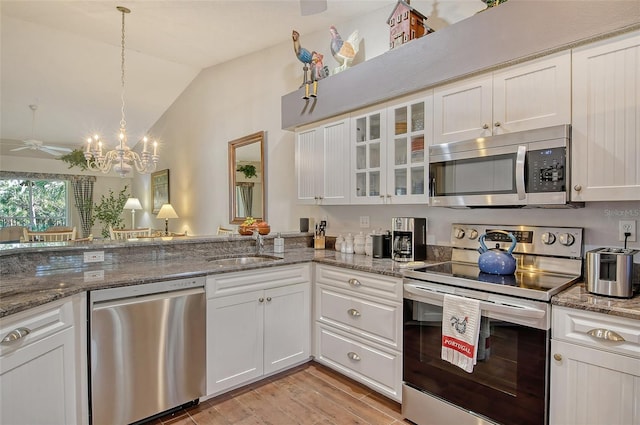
49,235
123,234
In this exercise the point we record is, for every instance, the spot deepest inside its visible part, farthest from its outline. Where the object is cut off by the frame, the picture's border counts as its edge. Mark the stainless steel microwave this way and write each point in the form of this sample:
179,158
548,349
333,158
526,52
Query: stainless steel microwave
520,169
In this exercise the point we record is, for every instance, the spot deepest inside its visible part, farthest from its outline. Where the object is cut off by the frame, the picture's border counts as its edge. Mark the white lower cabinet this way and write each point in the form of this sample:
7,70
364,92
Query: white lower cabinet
258,323
41,371
358,327
594,379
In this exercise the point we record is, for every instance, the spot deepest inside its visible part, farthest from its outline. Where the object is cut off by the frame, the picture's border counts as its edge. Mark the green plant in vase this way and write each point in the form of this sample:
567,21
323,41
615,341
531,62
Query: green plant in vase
75,158
248,170
109,210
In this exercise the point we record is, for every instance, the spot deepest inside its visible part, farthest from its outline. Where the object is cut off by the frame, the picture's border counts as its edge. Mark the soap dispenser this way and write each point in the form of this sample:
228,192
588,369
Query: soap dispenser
278,244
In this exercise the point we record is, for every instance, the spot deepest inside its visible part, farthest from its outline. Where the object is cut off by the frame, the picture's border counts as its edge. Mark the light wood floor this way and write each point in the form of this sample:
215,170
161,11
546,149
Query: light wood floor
309,394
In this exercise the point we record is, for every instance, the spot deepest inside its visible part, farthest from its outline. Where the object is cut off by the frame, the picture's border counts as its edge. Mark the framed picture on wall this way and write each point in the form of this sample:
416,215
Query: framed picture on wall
159,189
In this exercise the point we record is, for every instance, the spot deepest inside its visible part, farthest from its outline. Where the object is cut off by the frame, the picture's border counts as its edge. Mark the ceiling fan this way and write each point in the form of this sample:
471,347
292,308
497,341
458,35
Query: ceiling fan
39,145
311,7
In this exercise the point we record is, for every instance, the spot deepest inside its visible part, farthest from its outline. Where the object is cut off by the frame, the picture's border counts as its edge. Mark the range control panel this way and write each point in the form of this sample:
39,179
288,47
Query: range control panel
538,240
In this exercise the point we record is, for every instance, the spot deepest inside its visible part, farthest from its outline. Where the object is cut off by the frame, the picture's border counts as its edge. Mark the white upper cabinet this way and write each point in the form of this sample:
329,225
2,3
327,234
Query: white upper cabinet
368,157
410,132
606,120
322,163
530,95
462,110
389,152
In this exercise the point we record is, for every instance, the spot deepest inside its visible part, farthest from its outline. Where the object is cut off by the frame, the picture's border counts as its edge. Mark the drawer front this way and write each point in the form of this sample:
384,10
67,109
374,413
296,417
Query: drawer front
379,321
251,280
610,333
379,369
35,324
359,282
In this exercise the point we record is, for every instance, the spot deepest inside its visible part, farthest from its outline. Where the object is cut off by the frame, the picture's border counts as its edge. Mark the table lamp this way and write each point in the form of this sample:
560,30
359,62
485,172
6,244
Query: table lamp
167,212
133,204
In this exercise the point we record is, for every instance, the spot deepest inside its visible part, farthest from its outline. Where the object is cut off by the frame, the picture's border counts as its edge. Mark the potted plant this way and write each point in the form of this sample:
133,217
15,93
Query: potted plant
108,211
75,158
248,170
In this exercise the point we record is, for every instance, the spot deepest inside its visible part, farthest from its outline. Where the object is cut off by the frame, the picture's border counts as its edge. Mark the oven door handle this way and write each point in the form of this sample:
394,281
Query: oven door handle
488,306
520,161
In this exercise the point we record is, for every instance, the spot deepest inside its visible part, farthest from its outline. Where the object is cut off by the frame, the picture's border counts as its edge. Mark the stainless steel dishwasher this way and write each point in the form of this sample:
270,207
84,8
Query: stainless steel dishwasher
147,349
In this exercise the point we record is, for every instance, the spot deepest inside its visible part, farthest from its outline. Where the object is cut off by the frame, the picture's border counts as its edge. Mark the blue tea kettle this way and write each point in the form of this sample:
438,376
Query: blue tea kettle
495,260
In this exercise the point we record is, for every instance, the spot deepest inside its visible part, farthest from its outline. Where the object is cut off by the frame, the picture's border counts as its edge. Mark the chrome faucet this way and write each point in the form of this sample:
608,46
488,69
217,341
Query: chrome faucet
259,241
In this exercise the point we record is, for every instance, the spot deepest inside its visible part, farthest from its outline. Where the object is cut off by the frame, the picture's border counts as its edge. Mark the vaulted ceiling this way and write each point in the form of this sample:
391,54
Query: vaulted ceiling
64,56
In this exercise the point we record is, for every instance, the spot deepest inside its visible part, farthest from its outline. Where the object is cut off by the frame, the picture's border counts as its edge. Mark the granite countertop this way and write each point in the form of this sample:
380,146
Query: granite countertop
578,297
22,291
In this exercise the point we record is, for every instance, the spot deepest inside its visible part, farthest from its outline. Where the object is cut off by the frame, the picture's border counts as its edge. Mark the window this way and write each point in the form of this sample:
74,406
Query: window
36,204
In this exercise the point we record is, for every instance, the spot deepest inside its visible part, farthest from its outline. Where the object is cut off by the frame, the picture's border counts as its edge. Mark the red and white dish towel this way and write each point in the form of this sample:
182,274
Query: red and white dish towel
460,329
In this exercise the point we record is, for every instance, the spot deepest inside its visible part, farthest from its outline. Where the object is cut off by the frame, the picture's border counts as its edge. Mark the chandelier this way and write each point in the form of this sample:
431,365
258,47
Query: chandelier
122,159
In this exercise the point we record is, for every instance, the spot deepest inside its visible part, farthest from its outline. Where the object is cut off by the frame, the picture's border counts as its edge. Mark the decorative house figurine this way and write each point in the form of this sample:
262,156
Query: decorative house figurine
406,24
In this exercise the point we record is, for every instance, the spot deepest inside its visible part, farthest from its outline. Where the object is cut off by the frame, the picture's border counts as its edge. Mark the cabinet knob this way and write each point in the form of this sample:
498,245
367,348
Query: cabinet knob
268,299
557,356
260,300
16,334
577,188
605,334
497,124
353,356
485,126
353,312
354,282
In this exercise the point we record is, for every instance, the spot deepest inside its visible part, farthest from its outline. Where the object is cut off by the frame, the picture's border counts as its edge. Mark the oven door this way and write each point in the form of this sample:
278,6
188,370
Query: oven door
508,384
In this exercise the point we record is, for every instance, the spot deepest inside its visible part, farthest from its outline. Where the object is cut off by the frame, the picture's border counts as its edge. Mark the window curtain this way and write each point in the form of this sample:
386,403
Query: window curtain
246,198
83,194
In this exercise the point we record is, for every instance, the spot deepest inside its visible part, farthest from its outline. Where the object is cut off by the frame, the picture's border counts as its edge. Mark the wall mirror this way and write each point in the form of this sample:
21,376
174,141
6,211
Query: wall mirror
247,168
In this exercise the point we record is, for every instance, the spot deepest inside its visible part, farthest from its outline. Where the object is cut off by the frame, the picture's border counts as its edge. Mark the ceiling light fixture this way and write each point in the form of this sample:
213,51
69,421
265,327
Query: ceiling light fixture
122,159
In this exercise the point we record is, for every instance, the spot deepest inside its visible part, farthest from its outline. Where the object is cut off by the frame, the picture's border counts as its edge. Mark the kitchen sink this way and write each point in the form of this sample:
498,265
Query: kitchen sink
243,259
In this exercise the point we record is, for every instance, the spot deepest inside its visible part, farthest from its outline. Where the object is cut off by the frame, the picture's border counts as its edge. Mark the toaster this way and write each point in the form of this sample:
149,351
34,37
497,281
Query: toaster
610,272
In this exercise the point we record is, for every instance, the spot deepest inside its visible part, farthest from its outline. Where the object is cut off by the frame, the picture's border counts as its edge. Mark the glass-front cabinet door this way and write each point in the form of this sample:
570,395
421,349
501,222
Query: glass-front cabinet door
410,133
368,182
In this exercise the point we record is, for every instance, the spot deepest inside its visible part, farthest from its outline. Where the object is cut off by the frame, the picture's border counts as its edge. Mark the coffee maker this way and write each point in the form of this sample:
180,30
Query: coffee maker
409,239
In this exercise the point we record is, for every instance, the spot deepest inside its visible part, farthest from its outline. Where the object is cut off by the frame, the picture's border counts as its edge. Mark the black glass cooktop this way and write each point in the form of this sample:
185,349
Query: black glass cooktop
469,275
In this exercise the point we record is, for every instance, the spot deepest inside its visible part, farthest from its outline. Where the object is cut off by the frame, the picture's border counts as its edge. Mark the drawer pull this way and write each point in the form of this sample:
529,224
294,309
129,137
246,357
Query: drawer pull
260,300
353,312
558,357
16,334
354,282
268,298
353,356
606,335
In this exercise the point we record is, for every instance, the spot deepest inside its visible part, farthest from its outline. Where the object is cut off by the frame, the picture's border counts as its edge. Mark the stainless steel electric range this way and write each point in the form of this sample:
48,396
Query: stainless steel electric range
509,383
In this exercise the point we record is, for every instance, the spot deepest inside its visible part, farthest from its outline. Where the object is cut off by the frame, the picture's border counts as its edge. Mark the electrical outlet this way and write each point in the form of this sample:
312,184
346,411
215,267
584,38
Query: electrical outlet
627,226
364,221
94,256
